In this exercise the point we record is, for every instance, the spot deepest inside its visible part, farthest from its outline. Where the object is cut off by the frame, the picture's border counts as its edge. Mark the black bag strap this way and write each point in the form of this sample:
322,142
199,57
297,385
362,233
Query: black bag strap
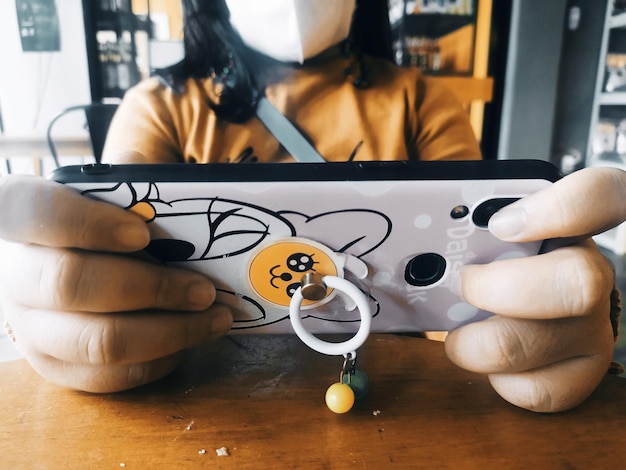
286,133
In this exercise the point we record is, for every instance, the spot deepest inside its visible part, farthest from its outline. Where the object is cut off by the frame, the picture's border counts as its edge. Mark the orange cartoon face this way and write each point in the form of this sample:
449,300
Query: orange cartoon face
276,269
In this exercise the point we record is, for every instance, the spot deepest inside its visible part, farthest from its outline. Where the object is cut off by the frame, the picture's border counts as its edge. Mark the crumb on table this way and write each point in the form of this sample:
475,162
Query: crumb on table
222,452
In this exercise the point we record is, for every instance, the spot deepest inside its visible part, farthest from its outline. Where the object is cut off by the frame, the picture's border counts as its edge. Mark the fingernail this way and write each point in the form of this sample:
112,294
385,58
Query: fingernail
222,321
455,284
201,294
132,236
508,222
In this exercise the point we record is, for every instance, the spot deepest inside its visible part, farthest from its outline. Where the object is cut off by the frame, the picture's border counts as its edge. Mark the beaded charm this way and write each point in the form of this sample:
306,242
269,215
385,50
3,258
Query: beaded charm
353,383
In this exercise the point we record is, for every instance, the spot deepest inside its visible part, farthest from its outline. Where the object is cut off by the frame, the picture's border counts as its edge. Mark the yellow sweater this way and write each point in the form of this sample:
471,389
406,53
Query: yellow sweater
402,115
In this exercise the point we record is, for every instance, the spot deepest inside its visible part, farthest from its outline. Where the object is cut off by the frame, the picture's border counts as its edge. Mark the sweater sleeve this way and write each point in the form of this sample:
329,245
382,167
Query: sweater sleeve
143,125
442,130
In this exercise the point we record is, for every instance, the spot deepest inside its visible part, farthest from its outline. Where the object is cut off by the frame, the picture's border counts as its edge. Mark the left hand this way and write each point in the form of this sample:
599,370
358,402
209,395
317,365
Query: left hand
551,341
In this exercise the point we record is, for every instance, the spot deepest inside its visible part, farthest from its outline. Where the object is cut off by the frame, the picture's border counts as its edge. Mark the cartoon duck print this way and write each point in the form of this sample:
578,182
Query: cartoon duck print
256,256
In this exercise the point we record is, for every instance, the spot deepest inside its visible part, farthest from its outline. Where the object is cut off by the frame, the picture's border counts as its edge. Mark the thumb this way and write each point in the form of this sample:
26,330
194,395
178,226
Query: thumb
39,211
584,203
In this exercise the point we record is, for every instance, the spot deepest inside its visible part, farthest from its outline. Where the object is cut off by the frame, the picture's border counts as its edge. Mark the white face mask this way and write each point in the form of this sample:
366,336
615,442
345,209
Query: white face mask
291,30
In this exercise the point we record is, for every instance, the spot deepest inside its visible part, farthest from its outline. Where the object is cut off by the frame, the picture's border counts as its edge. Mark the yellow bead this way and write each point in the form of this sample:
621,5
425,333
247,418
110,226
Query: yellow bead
339,398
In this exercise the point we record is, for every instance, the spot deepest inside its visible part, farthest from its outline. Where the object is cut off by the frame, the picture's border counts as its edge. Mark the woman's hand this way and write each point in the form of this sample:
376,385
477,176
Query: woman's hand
85,313
551,341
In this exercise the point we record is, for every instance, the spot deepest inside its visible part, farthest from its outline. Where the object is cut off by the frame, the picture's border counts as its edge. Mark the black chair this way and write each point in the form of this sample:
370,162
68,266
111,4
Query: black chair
98,117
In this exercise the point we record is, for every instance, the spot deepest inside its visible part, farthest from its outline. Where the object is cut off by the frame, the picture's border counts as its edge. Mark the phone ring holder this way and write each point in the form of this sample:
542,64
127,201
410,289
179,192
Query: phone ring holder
325,347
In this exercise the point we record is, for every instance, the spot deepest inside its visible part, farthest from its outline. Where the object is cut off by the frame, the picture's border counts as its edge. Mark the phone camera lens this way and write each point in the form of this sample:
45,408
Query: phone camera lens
485,210
458,212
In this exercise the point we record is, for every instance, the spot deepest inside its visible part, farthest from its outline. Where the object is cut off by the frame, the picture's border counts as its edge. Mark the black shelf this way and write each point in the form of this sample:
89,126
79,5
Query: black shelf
416,38
113,66
119,21
432,25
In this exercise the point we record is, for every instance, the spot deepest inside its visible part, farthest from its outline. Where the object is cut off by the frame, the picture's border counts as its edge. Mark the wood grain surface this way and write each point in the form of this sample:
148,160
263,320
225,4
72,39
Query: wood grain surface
262,399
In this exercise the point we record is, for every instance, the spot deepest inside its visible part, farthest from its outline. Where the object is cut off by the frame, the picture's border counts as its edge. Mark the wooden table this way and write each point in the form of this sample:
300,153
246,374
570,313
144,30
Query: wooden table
261,398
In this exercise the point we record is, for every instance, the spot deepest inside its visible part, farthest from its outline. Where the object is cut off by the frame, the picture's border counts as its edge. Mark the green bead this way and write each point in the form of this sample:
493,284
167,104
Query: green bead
358,382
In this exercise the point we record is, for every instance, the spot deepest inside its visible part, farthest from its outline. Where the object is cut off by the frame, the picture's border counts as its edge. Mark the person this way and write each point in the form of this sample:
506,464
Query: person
205,110
90,315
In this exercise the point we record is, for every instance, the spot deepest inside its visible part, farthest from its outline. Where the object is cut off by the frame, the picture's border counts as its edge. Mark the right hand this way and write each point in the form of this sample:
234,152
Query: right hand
84,313
582,204
552,341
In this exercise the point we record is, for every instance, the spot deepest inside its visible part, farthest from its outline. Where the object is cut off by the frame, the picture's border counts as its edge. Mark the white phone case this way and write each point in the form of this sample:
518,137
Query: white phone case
396,230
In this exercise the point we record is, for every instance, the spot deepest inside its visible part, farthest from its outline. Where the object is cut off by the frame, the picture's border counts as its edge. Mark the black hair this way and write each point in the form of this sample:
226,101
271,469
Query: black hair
371,31
214,49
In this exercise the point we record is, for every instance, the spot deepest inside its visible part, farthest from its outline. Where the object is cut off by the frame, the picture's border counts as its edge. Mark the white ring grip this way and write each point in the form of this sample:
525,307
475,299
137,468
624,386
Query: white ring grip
324,347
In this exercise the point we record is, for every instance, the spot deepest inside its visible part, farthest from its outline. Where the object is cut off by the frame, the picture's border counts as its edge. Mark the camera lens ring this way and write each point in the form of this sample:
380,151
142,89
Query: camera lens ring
459,212
485,210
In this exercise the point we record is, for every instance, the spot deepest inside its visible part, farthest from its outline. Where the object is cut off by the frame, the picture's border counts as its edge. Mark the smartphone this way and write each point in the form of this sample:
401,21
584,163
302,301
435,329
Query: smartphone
396,230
